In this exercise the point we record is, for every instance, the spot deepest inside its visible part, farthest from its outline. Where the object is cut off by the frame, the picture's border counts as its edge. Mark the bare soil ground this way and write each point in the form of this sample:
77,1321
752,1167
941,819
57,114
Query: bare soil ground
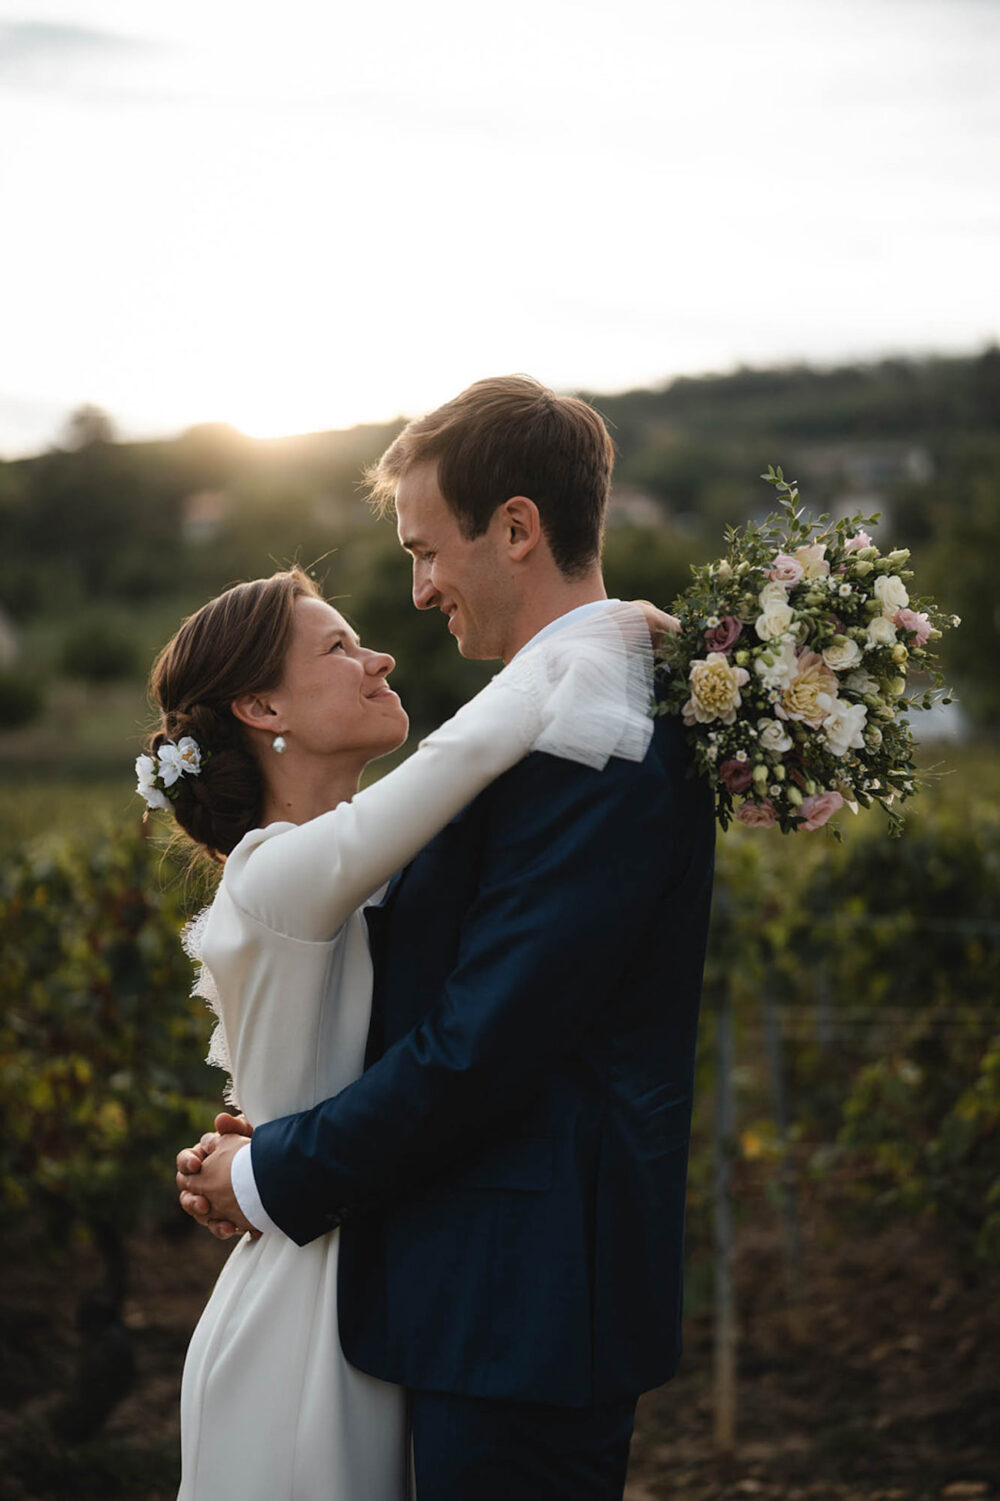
881,1381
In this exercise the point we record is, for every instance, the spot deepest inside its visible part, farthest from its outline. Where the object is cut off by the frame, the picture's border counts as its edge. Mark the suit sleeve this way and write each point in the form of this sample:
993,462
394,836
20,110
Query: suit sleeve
561,902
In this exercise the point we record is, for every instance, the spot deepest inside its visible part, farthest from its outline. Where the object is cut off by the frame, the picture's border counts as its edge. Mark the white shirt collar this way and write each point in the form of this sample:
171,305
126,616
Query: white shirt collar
563,620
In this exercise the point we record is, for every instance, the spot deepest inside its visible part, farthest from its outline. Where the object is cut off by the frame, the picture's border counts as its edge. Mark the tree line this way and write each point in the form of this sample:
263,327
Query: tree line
96,530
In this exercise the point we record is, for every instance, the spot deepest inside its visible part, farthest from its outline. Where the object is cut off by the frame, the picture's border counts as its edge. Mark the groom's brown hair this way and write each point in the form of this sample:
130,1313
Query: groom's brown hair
507,436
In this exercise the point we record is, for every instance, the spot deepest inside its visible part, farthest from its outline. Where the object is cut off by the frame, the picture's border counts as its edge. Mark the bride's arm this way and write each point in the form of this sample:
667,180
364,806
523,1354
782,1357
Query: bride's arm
582,695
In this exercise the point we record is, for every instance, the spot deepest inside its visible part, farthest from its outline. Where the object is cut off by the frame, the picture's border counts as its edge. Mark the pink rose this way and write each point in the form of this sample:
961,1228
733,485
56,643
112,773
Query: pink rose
857,543
723,636
737,775
758,815
814,811
915,621
786,570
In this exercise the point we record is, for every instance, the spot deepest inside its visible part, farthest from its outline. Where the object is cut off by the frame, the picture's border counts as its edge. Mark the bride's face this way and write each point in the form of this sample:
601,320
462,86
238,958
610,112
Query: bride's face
334,695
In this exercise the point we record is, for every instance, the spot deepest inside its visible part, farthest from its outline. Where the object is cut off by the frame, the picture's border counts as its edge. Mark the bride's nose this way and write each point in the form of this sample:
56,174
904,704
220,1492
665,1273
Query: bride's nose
379,664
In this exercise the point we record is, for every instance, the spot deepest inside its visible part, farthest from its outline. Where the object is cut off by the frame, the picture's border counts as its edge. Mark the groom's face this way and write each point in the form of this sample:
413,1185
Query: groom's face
468,581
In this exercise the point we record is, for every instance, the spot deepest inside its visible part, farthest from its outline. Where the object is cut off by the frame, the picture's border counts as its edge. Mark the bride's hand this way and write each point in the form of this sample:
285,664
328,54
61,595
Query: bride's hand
660,623
189,1162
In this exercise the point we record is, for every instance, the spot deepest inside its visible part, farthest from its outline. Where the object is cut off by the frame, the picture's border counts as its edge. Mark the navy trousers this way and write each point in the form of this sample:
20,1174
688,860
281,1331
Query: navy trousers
471,1449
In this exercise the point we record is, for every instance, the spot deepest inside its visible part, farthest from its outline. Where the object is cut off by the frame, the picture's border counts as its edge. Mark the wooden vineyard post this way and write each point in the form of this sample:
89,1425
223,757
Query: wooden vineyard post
786,1188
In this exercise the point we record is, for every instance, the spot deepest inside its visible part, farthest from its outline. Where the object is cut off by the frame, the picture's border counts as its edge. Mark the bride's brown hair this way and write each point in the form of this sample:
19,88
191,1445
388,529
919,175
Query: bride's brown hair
234,645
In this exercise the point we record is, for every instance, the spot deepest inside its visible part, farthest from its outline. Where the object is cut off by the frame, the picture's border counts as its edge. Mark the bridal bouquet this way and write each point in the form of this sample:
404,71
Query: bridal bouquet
790,670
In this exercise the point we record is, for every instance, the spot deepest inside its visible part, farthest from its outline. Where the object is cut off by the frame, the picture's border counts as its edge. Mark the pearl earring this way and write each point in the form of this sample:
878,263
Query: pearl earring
278,745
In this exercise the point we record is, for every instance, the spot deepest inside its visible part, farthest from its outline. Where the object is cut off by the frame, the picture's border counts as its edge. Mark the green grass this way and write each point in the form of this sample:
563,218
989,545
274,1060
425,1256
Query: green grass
31,807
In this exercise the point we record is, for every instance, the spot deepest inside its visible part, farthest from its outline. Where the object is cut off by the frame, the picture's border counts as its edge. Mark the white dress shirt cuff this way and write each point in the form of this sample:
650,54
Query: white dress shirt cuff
245,1188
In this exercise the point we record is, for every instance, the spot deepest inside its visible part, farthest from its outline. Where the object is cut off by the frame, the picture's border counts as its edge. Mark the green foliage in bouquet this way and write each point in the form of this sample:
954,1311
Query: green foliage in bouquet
790,670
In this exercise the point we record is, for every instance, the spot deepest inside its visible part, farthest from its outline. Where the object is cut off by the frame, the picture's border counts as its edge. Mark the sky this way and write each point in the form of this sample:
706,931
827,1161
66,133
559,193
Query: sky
303,216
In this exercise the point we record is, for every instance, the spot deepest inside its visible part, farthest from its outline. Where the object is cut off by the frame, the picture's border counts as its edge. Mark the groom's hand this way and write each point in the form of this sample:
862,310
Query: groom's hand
206,1192
660,623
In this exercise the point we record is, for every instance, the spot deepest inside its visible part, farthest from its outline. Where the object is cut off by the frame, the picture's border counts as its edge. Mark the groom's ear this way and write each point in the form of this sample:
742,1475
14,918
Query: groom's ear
255,712
522,527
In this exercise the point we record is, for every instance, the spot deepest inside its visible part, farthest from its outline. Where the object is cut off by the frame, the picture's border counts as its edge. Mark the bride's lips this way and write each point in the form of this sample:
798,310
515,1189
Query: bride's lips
383,693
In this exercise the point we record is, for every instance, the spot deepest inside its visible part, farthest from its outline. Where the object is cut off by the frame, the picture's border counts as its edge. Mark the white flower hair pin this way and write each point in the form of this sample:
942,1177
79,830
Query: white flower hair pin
158,775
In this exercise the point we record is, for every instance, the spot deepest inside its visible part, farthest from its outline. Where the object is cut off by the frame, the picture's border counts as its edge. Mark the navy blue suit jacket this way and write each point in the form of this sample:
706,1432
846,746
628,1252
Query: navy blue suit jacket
510,1170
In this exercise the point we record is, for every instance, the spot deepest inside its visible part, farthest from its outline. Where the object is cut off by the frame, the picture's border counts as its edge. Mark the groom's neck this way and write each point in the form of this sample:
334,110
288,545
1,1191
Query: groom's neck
541,606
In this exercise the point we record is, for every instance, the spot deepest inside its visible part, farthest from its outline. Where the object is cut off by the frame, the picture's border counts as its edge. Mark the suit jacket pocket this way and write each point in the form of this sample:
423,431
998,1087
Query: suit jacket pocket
523,1164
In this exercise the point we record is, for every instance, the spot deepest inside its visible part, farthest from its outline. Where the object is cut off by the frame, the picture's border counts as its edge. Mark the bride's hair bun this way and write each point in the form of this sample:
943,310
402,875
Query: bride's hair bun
234,645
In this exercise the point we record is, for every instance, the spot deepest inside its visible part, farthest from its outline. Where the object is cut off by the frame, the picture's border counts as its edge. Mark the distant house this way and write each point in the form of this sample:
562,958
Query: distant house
942,722
858,476
202,515
630,506
10,640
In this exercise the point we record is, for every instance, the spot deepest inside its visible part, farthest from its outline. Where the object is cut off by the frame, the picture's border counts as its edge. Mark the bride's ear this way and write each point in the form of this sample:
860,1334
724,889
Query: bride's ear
256,713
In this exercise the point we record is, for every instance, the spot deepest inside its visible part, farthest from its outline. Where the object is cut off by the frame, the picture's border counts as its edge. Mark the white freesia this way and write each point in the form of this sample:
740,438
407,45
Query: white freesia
774,736
777,673
842,654
881,632
145,770
844,727
890,591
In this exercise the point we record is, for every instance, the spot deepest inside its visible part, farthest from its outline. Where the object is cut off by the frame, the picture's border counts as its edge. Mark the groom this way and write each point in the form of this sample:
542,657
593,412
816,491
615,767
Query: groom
509,1172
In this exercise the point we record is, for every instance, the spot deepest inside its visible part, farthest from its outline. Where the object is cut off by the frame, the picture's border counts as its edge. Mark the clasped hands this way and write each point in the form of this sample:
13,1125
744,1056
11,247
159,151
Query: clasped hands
204,1178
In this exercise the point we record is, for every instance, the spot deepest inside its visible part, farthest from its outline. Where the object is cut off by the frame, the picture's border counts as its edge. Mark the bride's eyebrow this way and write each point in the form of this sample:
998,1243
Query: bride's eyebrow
341,633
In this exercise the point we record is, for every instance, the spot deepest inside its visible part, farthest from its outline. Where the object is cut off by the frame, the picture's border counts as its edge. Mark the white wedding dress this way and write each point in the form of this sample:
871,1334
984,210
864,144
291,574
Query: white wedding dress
270,1408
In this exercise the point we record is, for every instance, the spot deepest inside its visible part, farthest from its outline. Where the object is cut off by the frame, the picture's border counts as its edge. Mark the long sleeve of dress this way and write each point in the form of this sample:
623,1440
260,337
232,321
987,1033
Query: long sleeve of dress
583,694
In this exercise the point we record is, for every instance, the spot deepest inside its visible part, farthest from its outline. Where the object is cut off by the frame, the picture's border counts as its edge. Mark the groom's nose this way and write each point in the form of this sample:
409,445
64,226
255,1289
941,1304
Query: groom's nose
425,596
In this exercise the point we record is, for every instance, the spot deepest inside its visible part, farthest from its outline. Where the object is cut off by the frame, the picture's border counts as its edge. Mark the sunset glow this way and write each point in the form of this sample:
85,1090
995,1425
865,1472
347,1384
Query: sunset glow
351,215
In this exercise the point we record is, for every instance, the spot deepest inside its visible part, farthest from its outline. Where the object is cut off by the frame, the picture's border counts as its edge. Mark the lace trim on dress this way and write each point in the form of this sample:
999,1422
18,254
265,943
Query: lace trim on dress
592,687
205,988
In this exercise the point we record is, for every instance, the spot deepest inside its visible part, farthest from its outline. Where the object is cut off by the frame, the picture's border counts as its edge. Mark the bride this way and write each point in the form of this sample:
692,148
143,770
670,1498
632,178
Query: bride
270,709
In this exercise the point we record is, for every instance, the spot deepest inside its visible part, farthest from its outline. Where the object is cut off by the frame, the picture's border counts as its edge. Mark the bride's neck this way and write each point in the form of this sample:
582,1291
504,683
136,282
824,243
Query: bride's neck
296,792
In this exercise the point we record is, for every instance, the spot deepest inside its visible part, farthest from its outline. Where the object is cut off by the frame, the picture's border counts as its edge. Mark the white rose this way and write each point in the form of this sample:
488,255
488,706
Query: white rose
813,560
776,618
844,727
842,653
773,736
881,632
861,682
774,593
890,591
